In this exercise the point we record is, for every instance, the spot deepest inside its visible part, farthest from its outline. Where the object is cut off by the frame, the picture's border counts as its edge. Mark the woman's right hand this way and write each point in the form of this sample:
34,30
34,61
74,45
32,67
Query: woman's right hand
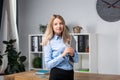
68,50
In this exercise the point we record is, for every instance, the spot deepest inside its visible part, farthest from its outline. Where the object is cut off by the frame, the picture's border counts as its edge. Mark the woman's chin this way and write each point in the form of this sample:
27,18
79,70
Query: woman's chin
58,33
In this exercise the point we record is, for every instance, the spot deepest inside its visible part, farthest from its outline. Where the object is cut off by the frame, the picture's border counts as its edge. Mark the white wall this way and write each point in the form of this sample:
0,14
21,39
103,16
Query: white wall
75,12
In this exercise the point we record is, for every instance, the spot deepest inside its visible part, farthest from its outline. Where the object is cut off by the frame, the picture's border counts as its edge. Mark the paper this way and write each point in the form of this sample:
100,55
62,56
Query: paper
42,71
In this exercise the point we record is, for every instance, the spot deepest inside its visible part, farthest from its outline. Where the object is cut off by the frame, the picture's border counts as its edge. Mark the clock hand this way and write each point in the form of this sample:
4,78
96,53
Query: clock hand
113,4
106,2
116,7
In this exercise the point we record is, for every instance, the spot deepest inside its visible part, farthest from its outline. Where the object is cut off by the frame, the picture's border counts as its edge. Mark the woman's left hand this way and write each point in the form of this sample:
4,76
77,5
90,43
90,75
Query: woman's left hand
71,51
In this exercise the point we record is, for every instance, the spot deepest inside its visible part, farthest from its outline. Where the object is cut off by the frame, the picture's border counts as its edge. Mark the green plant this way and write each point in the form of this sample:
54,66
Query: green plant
43,28
15,61
37,62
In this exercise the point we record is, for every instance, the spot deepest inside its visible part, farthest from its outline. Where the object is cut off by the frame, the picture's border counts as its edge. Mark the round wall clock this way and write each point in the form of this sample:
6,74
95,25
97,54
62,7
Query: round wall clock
108,10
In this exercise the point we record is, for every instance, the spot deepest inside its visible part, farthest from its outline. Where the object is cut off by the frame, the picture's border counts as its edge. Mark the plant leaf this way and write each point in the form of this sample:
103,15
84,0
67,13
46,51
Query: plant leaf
22,58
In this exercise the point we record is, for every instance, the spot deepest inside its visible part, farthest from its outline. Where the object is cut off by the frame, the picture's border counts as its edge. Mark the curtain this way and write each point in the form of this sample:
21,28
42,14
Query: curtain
8,27
1,6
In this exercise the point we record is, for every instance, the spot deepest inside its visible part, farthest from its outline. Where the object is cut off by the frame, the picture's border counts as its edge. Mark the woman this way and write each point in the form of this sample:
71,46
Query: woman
59,56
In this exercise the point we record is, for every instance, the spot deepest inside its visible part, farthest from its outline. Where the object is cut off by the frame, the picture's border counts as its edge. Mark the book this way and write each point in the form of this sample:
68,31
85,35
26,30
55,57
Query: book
39,41
35,43
42,71
32,43
81,43
84,70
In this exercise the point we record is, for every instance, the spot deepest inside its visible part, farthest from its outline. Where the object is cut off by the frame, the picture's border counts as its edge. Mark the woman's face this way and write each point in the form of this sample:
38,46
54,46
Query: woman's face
58,26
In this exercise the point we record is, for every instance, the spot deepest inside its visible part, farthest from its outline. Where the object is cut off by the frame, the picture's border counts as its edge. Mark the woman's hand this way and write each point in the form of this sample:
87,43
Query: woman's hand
69,51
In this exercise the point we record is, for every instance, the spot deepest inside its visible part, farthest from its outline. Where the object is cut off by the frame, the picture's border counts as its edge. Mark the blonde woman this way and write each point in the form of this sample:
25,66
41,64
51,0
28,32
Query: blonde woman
58,55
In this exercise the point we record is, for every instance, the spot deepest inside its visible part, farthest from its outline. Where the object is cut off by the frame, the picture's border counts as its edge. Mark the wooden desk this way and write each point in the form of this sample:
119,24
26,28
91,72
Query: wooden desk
30,75
78,76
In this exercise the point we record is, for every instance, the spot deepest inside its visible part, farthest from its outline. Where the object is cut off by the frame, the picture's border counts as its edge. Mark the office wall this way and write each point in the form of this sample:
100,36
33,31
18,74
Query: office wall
32,13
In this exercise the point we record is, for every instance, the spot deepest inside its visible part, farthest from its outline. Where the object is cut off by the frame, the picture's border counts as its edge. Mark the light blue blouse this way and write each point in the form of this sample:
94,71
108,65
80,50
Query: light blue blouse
52,54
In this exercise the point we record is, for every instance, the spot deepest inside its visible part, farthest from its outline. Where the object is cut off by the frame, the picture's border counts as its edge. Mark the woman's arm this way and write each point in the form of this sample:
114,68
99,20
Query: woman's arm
49,61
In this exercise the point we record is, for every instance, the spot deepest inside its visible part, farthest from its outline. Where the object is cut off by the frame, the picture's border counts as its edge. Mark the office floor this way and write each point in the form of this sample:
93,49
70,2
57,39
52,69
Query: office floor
91,76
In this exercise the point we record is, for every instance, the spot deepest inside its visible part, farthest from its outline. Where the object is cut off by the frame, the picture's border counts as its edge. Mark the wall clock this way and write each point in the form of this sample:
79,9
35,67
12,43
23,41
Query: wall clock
108,10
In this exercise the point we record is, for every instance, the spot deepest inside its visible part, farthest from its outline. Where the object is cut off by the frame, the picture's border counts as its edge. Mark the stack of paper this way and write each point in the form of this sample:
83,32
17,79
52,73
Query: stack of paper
42,71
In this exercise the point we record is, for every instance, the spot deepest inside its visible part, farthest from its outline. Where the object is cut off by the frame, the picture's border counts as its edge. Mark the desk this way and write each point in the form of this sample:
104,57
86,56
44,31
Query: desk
30,75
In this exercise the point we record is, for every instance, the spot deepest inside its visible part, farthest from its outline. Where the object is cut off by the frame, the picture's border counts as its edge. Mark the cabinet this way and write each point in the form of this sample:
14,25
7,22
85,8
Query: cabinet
35,52
86,45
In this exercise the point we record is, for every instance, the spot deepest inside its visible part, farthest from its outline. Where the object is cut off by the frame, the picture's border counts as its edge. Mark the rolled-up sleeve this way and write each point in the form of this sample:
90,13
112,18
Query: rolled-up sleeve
75,57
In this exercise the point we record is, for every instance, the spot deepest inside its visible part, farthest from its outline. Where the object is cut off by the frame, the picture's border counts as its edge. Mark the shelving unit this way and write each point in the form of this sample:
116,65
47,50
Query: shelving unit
35,51
86,45
87,52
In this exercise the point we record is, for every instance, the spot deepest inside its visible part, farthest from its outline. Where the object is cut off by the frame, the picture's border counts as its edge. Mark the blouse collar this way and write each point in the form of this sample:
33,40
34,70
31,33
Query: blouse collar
57,37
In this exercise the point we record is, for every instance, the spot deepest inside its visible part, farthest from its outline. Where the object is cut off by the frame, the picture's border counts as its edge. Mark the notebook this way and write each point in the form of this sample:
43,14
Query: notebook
73,45
73,42
42,71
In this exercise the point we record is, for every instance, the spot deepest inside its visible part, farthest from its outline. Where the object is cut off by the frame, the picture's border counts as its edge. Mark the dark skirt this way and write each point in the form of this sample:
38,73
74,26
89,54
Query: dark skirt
60,74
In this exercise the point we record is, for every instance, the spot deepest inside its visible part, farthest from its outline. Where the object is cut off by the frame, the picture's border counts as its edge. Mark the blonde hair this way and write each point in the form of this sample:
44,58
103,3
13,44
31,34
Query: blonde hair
49,31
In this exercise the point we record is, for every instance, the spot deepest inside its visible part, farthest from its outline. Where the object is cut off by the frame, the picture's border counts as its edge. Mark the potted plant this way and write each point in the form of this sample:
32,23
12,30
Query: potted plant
37,62
15,60
43,28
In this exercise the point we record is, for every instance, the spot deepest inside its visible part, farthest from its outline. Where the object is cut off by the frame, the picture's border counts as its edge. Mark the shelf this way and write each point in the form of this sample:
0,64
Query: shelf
35,68
36,52
85,46
84,53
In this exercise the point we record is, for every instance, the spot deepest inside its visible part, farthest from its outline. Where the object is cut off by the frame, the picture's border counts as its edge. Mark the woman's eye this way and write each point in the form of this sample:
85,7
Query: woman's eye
55,24
61,23
58,24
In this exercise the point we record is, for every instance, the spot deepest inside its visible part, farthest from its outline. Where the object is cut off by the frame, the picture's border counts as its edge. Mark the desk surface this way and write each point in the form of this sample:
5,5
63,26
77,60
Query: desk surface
30,75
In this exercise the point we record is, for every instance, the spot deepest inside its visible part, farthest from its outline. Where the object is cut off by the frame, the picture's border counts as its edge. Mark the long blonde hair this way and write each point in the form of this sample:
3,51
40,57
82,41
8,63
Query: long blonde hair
49,31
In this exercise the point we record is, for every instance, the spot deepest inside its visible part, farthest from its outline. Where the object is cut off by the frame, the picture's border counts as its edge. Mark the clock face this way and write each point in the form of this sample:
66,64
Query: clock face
108,10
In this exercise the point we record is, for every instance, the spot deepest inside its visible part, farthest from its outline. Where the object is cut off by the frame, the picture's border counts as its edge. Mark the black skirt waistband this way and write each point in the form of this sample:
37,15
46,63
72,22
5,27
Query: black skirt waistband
61,74
62,69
